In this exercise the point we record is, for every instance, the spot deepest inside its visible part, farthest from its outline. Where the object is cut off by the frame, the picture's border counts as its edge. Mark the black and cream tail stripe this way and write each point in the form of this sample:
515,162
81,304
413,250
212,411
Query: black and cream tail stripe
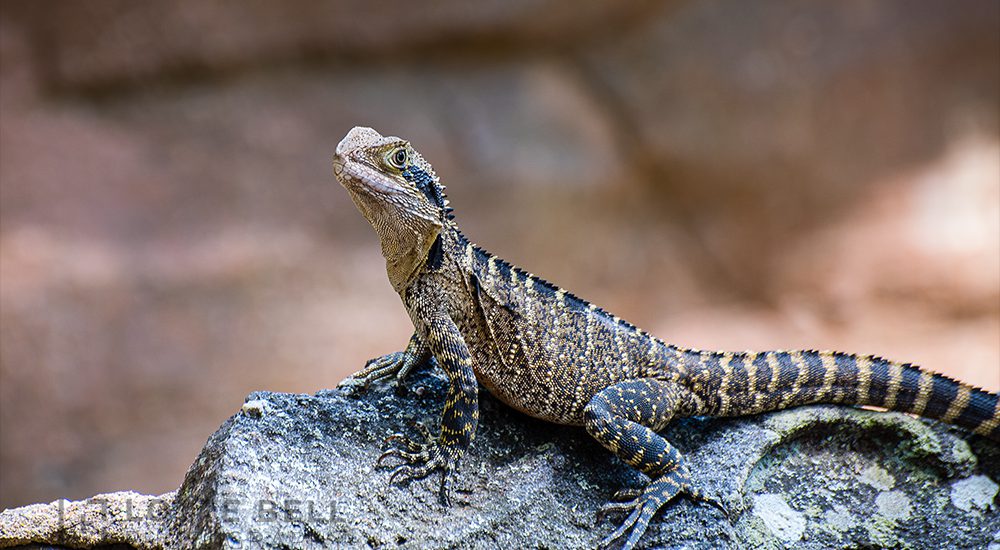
733,384
907,388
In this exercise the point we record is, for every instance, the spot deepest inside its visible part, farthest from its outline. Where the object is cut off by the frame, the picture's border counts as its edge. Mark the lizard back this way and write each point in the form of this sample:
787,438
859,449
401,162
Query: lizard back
541,349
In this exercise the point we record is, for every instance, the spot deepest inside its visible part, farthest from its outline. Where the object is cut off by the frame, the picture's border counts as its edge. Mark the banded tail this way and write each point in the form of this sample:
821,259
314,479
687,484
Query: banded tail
748,383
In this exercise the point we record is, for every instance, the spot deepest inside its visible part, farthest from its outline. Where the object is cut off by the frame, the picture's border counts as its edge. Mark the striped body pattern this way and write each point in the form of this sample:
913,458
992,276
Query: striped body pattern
554,356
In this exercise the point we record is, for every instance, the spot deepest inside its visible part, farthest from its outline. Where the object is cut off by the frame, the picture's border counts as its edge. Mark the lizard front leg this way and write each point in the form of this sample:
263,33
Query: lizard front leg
625,418
458,420
397,364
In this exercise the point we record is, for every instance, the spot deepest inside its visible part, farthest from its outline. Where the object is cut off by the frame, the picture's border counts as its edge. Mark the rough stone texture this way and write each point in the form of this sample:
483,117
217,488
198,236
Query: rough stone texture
297,471
126,518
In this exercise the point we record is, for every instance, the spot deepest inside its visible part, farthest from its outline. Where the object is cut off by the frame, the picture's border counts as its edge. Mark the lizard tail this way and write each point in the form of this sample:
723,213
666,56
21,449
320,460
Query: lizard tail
782,379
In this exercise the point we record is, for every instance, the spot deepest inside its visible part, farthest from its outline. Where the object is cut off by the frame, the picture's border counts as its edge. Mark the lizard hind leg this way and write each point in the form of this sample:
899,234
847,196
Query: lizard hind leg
624,418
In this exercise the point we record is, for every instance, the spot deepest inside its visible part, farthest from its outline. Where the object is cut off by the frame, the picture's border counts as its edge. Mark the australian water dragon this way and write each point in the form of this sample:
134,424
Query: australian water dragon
557,357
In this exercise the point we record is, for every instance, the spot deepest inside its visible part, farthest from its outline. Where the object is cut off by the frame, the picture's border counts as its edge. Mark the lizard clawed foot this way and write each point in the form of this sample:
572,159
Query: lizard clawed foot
419,460
645,503
393,365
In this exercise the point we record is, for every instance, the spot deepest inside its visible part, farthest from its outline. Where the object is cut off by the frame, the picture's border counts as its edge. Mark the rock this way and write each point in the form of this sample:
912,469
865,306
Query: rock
115,518
973,492
298,471
780,519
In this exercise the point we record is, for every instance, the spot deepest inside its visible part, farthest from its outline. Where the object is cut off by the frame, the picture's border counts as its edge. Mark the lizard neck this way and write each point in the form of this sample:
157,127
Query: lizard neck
405,238
439,248
406,255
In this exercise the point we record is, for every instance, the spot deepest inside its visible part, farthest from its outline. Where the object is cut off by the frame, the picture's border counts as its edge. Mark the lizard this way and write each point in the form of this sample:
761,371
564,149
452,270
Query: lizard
549,354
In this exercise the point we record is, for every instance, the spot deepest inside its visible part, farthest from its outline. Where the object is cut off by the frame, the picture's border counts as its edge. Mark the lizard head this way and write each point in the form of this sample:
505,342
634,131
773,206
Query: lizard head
397,192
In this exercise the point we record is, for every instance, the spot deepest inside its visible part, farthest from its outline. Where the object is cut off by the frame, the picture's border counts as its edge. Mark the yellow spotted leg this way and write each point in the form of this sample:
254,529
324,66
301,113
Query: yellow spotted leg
458,420
625,418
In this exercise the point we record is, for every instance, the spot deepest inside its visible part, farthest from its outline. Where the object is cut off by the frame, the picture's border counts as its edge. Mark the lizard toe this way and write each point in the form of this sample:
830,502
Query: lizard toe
613,508
626,528
419,460
406,457
646,503
628,493
405,473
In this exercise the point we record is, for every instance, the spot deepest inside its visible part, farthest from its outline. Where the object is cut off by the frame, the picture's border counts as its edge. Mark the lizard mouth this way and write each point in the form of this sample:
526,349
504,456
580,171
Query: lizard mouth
359,176
353,169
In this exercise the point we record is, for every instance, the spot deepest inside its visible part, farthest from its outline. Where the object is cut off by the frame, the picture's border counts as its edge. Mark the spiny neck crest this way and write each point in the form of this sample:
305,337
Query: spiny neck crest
428,183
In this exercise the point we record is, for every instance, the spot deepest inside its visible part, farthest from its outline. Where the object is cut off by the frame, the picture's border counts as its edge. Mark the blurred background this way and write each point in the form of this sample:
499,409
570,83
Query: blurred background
736,175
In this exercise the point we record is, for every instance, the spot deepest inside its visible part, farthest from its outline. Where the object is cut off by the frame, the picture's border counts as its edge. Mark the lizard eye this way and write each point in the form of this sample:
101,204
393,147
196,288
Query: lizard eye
398,158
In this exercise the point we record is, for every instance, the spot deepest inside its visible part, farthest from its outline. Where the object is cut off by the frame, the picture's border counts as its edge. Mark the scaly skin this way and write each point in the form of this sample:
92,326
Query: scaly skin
554,356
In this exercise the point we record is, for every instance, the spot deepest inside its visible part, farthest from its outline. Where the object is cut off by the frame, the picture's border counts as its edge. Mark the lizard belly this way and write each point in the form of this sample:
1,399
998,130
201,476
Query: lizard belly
534,399
537,386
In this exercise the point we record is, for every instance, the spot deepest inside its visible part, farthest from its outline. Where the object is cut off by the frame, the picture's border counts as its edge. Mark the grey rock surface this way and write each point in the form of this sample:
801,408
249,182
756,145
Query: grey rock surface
297,471
123,518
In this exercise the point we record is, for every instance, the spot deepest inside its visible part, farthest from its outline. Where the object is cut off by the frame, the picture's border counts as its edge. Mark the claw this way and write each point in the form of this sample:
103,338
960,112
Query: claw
628,493
618,533
406,442
624,500
388,454
699,496
375,369
394,437
445,501
615,508
419,460
403,469
638,529
410,472
408,458
645,503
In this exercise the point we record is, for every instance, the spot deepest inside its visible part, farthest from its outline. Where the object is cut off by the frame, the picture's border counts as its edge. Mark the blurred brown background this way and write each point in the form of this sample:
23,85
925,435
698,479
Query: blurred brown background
725,174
